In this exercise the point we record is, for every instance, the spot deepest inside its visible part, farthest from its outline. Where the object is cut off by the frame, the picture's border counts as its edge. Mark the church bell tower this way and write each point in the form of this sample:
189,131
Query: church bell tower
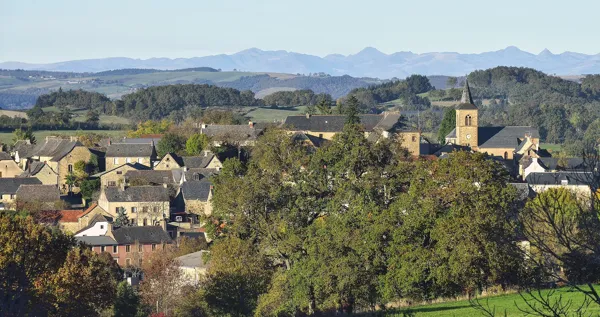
467,119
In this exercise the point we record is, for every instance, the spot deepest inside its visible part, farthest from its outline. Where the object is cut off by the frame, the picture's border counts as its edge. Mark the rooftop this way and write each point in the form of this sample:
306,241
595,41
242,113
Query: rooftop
137,194
505,137
130,150
38,193
70,215
194,260
196,190
330,123
142,234
9,186
559,178
54,147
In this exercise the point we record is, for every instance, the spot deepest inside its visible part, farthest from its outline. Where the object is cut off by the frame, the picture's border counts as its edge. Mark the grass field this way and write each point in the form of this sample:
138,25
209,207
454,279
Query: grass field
7,137
79,116
12,113
502,304
552,148
271,115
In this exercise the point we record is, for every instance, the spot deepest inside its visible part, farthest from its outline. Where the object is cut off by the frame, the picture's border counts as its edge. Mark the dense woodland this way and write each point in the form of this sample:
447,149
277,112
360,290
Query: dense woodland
295,98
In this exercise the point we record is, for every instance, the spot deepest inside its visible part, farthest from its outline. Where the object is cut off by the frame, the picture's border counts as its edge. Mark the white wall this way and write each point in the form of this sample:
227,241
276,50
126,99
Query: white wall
99,229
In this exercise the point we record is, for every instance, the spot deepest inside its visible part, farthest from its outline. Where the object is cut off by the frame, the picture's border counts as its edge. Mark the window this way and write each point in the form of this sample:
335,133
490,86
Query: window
119,172
128,248
196,176
145,222
320,135
116,160
140,248
145,209
70,168
112,183
153,247
468,120
155,209
414,138
12,196
101,226
506,155
128,160
127,262
102,249
117,210
115,249
116,260
133,210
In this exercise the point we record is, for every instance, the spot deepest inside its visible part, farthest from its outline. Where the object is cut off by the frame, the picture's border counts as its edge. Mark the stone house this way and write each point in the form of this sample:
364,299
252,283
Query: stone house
194,197
8,167
9,187
172,161
127,245
144,205
152,177
529,164
116,176
376,126
21,151
575,181
61,156
68,220
118,154
41,171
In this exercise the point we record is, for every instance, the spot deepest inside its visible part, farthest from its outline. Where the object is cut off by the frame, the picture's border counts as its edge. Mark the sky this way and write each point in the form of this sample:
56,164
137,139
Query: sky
43,31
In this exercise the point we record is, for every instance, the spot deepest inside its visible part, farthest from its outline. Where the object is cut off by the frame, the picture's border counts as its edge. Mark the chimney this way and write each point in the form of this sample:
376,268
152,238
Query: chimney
308,116
251,124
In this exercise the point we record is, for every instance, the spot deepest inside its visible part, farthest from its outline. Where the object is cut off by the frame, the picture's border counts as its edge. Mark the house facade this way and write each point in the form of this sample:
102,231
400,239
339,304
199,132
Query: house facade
118,154
8,167
144,205
116,176
41,171
9,188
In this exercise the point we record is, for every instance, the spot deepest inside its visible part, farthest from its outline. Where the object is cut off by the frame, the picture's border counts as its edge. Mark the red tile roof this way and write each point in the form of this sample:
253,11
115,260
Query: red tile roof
70,215
90,208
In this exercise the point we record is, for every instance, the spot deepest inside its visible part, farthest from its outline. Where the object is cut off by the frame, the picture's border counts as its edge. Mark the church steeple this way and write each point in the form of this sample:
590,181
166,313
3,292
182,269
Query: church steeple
466,94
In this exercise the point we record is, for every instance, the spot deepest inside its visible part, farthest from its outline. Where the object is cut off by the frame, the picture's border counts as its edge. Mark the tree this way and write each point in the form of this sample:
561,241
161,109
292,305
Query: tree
122,220
92,117
71,181
418,84
126,301
451,82
237,275
196,144
26,135
88,187
170,143
43,272
448,124
352,111
162,284
150,127
324,106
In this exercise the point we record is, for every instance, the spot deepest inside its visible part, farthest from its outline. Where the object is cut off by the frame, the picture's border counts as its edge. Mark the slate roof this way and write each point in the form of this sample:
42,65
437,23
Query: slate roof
203,172
196,190
142,234
38,193
5,156
24,148
155,177
193,260
136,166
55,148
523,190
96,240
329,123
130,150
551,163
556,178
452,134
236,131
33,168
391,121
196,161
466,101
137,194
9,186
504,137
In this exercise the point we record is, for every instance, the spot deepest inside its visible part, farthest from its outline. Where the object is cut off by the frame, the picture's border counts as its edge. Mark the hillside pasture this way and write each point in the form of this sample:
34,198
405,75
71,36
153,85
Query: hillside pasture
13,114
272,114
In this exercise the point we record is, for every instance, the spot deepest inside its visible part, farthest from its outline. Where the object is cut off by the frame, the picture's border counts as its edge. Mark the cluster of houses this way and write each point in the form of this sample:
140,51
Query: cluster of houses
164,197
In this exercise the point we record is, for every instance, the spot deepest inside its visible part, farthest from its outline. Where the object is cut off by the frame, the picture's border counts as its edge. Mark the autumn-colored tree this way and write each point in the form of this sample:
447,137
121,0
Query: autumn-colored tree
42,272
162,284
150,127
196,144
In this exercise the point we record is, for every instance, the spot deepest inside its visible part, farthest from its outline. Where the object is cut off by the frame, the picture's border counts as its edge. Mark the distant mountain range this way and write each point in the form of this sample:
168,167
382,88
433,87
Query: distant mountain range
367,63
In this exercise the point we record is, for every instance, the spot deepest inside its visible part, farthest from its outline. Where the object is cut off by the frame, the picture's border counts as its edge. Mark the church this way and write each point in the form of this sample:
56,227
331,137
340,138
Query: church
508,143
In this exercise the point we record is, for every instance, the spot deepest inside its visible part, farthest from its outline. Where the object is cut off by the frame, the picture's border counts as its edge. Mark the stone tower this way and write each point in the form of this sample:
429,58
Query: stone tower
467,119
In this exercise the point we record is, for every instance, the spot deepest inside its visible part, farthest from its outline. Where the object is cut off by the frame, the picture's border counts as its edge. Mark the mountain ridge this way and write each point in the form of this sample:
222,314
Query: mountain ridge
368,62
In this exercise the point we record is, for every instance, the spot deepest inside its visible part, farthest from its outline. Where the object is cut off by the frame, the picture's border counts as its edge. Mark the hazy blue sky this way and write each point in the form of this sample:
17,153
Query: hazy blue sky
57,30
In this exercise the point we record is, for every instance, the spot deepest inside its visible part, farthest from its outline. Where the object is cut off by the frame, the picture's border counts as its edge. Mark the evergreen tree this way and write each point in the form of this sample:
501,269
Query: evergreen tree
126,301
352,111
447,125
122,220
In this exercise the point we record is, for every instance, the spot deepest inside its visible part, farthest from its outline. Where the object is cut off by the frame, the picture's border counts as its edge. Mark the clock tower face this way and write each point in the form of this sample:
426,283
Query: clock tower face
468,136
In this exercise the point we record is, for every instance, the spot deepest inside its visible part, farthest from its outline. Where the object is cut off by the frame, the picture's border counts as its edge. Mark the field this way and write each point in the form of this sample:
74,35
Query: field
11,113
552,148
7,137
79,116
502,304
273,115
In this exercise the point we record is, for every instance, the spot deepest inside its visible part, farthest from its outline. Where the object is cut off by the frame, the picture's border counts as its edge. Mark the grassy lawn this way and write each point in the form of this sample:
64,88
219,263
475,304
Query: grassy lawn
502,304
271,115
552,148
6,137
